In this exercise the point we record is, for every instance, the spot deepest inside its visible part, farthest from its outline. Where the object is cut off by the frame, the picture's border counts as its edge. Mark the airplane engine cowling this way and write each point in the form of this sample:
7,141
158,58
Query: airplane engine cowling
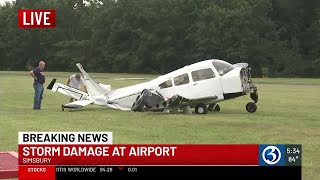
231,82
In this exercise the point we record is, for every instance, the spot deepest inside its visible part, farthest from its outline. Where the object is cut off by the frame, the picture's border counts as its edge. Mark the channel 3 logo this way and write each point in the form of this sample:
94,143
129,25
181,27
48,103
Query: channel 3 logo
271,155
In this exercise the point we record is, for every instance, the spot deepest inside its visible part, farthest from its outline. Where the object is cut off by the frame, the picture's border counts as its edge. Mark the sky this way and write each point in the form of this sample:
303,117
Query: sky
3,1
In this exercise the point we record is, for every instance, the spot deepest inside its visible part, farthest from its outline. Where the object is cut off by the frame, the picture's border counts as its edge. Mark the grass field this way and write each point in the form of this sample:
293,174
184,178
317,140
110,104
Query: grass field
287,113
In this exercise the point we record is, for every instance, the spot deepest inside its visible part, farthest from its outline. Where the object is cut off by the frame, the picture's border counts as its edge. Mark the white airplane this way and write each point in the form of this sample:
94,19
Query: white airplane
200,86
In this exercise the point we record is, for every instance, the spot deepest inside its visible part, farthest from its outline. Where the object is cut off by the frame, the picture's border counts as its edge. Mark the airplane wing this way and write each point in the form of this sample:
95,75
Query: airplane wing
77,104
94,88
179,101
67,90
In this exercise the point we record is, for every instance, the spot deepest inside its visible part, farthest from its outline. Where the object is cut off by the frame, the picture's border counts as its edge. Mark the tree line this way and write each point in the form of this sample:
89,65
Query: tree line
278,38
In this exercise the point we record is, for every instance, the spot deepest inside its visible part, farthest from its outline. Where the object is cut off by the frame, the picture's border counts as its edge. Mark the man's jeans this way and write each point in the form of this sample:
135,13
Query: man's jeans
38,95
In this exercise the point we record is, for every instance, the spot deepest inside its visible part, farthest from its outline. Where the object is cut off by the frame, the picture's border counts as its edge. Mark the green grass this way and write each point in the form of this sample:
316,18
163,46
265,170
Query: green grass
286,114
292,81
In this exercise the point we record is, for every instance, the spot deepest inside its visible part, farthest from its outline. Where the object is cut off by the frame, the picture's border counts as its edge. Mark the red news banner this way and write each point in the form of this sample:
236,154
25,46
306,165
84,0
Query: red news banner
36,18
142,154
41,152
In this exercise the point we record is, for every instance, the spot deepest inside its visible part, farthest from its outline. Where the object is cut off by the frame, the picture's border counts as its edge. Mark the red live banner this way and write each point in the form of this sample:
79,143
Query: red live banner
142,154
38,18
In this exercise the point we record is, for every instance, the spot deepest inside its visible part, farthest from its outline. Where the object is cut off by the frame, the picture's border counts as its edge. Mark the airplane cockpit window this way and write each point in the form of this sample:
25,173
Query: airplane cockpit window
202,74
166,84
222,67
182,79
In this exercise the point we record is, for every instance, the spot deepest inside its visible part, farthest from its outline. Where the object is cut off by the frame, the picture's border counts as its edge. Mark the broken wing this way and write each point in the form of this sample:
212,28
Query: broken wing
154,101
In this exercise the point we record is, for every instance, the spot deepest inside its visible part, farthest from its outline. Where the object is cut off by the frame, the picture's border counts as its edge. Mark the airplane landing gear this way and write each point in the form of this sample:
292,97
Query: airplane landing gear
214,107
201,109
251,107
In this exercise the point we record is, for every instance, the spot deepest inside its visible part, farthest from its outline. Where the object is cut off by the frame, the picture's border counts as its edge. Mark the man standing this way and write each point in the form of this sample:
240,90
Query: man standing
39,79
76,81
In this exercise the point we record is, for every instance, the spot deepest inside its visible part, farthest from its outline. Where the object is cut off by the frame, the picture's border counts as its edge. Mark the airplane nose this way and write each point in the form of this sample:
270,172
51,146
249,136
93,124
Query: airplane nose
247,84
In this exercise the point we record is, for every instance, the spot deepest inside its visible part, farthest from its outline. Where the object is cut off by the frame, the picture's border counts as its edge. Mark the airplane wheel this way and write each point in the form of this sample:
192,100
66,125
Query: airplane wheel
201,109
251,107
210,107
217,108
214,107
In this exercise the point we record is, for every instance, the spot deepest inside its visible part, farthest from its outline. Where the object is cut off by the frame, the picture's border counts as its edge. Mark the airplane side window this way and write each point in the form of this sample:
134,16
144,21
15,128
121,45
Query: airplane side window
202,74
195,76
182,79
166,84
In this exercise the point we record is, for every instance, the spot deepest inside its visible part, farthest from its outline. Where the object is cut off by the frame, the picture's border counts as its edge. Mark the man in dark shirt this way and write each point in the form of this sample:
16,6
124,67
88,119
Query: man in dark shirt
39,79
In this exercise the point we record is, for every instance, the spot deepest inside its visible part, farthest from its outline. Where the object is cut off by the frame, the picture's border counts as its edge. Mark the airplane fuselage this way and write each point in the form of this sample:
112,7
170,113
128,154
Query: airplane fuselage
196,81
200,85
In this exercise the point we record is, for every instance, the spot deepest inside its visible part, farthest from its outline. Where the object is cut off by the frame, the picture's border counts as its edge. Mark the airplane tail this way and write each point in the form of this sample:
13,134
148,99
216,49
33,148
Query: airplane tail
67,90
82,98
96,92
94,88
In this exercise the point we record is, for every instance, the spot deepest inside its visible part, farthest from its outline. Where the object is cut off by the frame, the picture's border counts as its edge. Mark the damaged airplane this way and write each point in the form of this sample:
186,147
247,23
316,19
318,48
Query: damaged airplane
200,86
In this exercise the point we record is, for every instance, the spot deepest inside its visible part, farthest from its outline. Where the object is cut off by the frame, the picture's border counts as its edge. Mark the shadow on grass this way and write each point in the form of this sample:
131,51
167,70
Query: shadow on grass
156,113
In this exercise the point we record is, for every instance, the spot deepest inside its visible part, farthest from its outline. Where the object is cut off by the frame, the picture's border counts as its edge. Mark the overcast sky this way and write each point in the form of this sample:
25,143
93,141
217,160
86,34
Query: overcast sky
3,1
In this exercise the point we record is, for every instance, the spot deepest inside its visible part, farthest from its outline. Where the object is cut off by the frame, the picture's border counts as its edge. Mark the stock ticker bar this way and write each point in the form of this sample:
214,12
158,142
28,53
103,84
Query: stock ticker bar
187,172
221,172
248,161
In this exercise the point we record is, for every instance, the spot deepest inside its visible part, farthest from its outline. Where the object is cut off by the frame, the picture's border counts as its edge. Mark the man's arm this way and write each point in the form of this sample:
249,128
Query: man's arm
33,75
68,82
85,88
84,85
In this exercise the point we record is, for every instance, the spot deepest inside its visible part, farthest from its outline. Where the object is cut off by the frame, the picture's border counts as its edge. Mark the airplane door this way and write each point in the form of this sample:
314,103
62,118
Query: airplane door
205,83
182,84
